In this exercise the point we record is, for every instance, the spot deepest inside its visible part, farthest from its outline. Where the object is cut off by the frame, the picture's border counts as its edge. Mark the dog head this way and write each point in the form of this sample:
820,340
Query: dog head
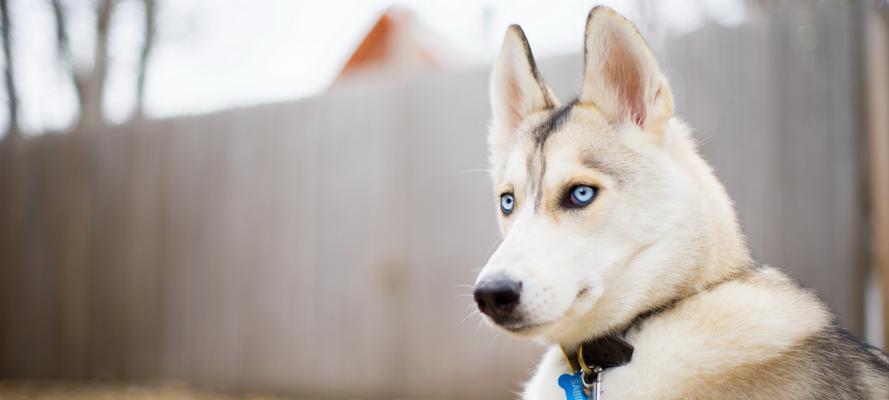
600,200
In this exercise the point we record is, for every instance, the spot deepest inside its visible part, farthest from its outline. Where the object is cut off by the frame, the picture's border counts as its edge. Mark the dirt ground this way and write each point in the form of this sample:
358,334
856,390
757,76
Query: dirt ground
105,391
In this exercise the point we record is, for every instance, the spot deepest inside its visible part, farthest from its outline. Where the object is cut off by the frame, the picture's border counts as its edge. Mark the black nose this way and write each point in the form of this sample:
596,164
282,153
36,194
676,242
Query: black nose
498,298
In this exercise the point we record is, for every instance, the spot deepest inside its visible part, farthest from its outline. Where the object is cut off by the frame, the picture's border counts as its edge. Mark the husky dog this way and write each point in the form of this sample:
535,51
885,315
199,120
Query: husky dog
614,226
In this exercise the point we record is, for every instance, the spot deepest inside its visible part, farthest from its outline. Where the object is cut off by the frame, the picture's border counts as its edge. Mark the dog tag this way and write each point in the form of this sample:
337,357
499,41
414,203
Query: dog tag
573,386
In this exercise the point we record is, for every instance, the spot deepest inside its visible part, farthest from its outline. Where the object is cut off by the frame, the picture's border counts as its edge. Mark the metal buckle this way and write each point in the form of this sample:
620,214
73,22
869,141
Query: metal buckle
591,377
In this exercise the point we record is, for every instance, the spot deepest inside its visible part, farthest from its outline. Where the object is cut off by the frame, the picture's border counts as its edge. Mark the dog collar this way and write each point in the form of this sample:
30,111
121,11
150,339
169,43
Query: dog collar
606,352
588,362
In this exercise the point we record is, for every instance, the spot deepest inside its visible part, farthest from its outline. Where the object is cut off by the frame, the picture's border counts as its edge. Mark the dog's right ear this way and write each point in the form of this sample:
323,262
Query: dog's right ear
516,89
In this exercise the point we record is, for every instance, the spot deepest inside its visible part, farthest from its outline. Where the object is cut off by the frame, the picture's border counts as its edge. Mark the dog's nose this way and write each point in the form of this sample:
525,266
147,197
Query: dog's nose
498,298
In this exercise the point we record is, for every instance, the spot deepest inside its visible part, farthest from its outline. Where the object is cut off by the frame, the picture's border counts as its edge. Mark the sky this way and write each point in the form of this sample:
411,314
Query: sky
217,54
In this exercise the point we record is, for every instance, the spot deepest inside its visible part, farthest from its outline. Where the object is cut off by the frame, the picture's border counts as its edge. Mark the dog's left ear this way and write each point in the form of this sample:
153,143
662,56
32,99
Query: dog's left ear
621,76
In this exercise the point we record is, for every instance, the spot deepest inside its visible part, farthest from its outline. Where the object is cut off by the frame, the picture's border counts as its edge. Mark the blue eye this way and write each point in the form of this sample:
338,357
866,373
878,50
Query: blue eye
581,195
507,203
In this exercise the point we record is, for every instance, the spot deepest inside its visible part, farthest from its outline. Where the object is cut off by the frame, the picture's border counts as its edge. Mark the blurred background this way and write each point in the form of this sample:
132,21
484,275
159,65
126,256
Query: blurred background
288,198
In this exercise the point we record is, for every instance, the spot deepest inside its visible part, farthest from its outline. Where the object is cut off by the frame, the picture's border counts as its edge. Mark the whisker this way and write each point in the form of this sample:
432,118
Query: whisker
494,339
479,323
471,314
474,171
462,286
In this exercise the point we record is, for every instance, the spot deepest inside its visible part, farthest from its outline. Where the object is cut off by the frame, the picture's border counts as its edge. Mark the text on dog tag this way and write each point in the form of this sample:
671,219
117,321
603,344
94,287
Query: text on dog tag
573,386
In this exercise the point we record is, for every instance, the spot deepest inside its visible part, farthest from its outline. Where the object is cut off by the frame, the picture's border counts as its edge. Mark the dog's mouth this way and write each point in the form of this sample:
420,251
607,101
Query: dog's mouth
526,328
522,327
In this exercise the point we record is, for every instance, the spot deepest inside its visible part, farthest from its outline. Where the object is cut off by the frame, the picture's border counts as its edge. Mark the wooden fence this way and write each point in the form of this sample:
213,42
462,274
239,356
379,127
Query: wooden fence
317,248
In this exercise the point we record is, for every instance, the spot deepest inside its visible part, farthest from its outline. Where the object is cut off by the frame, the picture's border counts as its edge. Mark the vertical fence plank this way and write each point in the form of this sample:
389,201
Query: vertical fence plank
877,73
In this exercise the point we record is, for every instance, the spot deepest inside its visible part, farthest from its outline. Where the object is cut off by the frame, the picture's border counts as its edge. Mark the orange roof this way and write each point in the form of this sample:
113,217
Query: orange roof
394,42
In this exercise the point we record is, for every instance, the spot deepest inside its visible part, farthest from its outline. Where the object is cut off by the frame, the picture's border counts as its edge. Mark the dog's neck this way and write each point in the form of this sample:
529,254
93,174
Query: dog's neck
723,250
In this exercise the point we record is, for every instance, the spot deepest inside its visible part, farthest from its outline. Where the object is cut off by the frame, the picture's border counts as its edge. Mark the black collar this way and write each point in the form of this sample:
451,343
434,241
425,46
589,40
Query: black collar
603,352
612,350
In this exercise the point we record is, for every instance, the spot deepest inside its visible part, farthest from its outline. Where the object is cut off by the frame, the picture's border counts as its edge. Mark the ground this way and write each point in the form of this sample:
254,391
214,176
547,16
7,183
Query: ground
107,391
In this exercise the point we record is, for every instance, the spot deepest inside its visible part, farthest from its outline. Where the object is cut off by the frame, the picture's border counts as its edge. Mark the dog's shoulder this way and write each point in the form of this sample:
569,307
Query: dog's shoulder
710,343
839,362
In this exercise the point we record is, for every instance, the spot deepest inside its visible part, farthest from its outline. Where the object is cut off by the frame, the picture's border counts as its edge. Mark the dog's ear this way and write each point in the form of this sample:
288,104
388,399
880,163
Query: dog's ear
621,76
516,89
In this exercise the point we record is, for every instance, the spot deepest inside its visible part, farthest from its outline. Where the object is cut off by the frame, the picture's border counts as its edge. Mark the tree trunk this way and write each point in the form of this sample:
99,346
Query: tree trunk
94,84
9,76
63,48
147,46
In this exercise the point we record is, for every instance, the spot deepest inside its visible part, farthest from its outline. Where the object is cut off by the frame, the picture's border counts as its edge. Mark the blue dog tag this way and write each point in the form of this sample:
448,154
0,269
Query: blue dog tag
573,385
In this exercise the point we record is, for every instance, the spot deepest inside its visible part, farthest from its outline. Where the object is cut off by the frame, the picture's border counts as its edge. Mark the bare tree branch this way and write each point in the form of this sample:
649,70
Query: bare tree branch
147,46
9,76
63,48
